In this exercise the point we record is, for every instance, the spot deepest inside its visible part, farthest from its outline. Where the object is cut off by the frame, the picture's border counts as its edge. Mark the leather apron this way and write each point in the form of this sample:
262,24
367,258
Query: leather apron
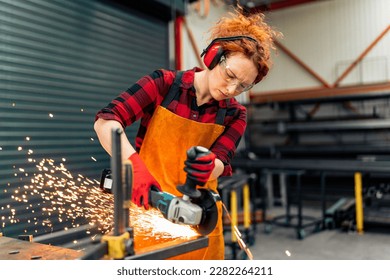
164,150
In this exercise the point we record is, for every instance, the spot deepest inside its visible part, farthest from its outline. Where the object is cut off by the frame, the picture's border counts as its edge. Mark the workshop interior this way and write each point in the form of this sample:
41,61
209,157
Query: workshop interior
314,160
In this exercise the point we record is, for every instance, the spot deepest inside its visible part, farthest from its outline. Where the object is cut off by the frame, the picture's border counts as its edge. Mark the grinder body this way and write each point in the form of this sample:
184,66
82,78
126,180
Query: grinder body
176,209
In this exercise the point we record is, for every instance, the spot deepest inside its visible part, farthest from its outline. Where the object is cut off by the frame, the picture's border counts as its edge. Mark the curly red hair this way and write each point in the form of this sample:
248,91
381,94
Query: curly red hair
252,25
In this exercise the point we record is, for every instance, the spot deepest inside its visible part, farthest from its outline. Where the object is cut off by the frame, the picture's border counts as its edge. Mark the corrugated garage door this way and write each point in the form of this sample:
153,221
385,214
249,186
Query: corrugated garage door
61,61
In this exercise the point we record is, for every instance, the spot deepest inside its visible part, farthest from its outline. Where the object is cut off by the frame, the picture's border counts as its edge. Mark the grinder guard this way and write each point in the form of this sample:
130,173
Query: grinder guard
208,202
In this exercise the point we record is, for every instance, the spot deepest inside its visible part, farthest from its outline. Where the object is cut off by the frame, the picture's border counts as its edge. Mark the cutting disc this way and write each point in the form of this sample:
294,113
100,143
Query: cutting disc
207,201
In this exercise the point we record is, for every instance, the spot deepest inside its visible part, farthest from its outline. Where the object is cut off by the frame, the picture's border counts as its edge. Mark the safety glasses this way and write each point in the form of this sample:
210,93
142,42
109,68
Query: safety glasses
231,78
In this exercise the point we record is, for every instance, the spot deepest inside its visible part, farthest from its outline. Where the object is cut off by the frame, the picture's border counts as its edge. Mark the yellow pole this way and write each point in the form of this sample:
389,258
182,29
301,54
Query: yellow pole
247,216
233,209
359,202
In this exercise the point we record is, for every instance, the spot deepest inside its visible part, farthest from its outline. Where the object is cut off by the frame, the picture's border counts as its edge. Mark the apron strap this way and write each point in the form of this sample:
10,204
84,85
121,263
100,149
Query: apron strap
175,89
221,114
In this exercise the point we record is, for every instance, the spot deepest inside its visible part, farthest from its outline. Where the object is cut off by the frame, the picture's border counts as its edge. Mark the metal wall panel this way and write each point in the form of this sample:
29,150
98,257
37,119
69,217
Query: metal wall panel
328,36
60,62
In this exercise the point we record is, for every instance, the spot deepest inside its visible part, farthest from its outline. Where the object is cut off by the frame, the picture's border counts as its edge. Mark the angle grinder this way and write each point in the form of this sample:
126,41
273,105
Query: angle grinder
197,207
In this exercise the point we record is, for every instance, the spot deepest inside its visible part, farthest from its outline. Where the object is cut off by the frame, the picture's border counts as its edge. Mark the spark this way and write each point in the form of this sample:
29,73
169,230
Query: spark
152,222
20,148
27,138
288,253
51,115
94,159
61,199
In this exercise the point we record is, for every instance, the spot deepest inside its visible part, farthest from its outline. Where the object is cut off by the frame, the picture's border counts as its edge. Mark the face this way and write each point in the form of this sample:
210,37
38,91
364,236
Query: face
232,76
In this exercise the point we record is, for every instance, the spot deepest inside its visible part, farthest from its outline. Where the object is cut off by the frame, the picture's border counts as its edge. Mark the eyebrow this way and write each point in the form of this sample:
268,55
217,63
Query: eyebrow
234,75
227,67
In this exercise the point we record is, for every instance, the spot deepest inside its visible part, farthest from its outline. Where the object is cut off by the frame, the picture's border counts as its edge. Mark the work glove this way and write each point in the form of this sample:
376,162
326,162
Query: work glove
200,164
143,181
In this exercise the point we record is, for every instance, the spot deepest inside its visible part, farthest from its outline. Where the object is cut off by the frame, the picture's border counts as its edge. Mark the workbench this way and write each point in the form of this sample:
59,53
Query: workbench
297,167
15,249
171,249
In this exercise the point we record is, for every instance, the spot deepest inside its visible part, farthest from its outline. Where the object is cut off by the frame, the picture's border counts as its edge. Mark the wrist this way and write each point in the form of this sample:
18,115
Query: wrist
218,169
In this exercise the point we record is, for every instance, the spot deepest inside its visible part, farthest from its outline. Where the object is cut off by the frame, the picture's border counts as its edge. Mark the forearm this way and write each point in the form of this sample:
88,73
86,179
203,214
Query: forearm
103,129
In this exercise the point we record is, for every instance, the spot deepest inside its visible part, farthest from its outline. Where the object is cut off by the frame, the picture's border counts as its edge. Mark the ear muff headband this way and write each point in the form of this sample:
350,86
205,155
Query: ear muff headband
213,53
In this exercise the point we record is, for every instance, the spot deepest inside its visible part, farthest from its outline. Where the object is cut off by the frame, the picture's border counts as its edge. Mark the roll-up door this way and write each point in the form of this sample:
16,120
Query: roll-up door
60,62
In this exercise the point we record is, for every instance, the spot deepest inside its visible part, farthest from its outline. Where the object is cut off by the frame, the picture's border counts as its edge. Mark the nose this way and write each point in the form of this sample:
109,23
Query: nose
231,89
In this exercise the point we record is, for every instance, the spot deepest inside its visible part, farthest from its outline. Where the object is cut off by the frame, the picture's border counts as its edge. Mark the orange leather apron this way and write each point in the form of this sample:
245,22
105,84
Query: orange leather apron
164,151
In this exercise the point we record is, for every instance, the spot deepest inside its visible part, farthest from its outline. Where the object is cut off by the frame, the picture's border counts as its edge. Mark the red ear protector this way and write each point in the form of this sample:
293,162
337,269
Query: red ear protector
213,53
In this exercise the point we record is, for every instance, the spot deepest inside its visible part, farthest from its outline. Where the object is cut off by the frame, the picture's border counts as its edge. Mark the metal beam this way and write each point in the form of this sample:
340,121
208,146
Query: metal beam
314,94
361,56
313,165
325,126
302,64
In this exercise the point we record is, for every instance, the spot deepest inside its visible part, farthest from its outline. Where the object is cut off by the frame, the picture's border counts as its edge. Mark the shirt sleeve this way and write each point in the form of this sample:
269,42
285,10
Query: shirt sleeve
226,145
132,104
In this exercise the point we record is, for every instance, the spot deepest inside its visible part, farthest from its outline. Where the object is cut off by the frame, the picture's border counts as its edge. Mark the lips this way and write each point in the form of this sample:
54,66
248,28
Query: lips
223,94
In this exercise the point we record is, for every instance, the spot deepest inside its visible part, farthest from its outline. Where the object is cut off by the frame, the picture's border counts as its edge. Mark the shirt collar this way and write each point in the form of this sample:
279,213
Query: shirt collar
188,83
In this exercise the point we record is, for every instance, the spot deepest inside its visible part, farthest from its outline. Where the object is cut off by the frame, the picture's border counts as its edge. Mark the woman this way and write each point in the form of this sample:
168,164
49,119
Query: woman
179,110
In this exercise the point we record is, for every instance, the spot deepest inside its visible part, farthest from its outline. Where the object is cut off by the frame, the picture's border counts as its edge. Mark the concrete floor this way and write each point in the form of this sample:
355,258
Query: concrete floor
281,243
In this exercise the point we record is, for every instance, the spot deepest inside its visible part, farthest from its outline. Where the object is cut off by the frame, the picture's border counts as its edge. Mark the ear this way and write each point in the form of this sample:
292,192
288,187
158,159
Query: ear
213,55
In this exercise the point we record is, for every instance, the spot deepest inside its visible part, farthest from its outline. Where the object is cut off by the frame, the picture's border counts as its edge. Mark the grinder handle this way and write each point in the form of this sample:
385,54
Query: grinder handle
189,187
196,152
